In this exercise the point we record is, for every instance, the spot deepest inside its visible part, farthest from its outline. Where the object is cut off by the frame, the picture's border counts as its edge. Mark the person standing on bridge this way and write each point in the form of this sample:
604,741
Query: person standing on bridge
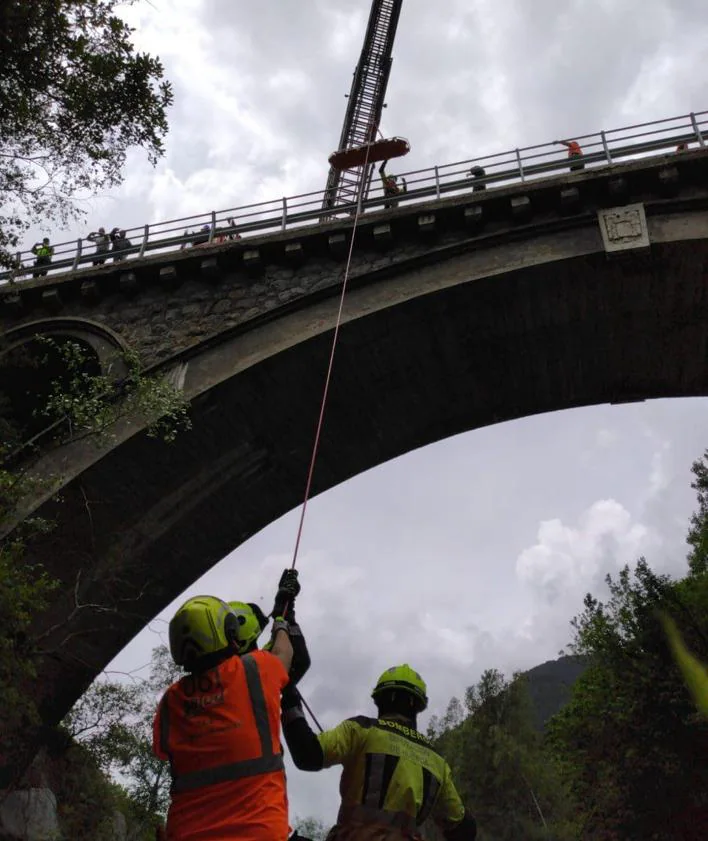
103,243
219,728
391,188
44,253
478,172
575,153
121,244
393,780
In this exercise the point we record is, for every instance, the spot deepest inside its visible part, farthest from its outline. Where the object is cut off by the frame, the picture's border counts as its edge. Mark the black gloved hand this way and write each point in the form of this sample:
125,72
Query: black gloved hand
288,588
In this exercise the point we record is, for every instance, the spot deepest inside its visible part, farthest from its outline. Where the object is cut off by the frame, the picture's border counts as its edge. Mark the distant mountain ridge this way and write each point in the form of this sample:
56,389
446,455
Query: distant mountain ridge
550,685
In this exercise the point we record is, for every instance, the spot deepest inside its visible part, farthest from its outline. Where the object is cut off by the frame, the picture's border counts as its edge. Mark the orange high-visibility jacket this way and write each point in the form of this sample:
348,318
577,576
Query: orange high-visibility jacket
220,732
574,150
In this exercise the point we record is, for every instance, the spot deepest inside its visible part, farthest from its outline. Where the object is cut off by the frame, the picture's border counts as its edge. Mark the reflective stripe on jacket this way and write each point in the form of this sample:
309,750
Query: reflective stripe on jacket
391,775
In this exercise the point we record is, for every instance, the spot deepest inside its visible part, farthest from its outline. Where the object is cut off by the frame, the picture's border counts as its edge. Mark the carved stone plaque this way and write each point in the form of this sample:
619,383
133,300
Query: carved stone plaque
623,228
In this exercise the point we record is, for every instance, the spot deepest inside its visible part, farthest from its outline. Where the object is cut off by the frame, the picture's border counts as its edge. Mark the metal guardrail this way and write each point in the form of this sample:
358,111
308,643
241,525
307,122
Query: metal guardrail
519,165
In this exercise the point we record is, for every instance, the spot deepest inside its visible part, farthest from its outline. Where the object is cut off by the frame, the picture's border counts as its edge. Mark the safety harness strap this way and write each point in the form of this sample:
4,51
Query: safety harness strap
267,762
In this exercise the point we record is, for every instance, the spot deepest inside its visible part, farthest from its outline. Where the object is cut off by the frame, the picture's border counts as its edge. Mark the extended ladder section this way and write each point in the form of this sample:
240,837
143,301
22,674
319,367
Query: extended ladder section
366,100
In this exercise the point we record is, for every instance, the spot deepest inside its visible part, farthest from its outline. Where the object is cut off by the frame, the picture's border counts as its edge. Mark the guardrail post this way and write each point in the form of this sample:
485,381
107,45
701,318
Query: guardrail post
520,165
212,230
437,182
75,264
143,244
606,147
285,214
697,130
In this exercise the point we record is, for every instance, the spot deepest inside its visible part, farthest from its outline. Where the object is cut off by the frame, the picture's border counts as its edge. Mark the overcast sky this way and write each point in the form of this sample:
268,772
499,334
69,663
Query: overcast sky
474,552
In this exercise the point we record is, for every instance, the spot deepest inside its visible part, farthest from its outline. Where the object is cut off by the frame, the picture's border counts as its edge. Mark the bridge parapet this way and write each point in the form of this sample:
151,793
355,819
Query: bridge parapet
515,166
165,304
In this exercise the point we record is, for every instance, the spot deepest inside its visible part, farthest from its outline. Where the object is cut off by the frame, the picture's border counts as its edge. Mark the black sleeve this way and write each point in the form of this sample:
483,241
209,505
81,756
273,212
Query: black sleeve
466,830
302,742
301,656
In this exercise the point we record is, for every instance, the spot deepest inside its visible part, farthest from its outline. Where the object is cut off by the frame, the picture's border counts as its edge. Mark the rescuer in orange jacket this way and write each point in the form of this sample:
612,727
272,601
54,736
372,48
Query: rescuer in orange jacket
219,729
575,153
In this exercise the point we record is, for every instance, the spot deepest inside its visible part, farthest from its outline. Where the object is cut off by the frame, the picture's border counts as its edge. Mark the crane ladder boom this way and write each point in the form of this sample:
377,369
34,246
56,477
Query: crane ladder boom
366,100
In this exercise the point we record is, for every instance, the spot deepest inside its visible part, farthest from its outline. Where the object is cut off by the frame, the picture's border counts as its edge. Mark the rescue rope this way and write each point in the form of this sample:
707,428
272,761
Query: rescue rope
309,709
325,391
335,337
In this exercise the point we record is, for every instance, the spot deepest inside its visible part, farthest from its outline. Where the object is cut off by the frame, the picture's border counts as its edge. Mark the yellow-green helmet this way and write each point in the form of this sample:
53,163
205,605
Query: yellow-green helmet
203,625
406,679
248,629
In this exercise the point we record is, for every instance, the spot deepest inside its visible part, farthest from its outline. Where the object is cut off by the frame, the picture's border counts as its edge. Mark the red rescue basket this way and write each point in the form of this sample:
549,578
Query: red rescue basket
379,150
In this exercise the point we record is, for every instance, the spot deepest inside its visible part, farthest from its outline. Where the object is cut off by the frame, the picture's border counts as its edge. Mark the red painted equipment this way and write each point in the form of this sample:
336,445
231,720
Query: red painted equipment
379,150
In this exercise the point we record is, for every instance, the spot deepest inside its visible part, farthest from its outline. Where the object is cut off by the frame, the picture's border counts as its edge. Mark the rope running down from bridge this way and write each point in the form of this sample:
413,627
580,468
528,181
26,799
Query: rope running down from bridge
325,391
335,337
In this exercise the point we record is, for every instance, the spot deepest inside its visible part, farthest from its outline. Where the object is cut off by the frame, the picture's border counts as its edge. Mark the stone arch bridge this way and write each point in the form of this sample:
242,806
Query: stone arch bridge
574,290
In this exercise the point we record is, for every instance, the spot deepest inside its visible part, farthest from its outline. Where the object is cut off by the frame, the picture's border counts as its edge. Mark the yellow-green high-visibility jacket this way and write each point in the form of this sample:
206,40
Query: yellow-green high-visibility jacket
391,774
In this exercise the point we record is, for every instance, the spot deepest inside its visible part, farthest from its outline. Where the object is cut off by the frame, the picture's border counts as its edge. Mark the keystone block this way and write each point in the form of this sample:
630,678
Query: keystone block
669,181
90,290
252,261
474,216
618,189
294,253
382,234
521,208
128,283
52,299
624,229
209,268
569,200
426,223
337,245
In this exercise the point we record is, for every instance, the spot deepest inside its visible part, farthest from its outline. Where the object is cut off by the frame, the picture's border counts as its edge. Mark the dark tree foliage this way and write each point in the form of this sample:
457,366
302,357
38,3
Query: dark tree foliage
75,95
631,740
698,531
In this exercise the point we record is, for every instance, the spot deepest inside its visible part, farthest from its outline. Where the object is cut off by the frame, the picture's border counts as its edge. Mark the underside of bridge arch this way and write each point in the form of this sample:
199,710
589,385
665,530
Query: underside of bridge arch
142,522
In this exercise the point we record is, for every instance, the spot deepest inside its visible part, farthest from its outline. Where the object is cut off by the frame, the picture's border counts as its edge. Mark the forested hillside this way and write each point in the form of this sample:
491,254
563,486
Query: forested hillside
550,685
607,744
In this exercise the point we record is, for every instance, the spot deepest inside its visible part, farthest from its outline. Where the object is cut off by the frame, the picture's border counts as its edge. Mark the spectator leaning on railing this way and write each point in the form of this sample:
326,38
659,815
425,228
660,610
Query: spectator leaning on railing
477,172
44,252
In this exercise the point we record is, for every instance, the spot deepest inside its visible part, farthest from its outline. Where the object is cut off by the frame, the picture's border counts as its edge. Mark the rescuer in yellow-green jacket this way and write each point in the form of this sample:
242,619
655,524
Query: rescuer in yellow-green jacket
392,777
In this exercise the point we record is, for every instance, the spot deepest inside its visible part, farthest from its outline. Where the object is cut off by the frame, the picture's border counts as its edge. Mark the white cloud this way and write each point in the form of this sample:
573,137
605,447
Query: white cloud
567,561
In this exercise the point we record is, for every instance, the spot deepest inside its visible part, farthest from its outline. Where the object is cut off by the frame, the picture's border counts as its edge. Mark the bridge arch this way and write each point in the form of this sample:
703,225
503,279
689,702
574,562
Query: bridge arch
29,366
429,348
105,342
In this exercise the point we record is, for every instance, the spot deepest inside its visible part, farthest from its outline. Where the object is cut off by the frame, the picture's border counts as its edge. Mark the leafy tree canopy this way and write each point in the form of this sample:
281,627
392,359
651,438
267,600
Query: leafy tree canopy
632,729
75,95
